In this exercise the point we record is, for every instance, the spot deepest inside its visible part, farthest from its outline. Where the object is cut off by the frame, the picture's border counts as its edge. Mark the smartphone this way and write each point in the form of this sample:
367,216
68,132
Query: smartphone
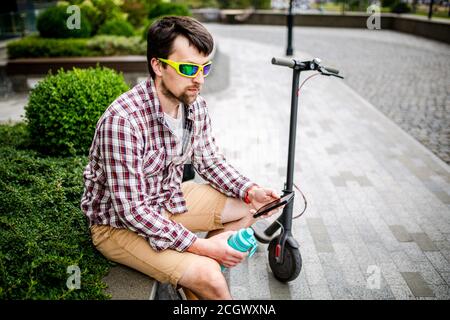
274,204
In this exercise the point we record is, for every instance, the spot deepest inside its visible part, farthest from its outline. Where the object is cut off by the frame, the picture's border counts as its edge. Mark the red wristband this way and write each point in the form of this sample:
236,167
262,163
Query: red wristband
246,199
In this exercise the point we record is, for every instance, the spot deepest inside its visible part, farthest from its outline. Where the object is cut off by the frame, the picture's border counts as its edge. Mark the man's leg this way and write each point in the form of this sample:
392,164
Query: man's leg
198,273
235,215
208,209
204,277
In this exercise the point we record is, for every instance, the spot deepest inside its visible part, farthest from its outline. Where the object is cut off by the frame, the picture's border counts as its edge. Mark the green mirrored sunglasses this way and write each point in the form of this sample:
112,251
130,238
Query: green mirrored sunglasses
187,69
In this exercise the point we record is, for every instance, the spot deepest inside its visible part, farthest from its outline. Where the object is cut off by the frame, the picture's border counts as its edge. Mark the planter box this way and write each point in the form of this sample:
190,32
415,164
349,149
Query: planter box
44,65
24,73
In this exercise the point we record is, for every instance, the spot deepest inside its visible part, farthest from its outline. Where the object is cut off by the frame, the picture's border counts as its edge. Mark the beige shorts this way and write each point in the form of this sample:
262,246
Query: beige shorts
205,206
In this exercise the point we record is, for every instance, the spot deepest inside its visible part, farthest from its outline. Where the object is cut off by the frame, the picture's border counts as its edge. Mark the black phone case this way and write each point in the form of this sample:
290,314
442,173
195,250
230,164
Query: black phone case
273,205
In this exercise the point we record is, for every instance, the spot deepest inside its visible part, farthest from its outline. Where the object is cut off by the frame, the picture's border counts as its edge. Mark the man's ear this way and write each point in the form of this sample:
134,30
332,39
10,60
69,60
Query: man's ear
156,65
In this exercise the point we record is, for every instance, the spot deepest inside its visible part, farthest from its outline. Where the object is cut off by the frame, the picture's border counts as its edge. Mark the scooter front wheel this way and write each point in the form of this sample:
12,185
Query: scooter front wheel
291,266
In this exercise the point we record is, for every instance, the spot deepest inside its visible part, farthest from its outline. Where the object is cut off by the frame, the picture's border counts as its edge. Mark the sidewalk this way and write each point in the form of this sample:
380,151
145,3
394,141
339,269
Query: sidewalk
377,199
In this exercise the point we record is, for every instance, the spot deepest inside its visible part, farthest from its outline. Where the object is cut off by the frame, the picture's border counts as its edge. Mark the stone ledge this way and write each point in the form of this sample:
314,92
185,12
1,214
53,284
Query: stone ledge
24,66
127,284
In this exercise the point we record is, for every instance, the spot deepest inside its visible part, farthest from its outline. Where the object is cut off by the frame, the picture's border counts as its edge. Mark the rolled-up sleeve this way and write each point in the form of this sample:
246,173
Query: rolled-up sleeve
121,149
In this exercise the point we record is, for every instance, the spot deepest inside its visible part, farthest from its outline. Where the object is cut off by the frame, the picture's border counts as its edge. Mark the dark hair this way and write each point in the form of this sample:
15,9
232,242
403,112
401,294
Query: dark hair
163,32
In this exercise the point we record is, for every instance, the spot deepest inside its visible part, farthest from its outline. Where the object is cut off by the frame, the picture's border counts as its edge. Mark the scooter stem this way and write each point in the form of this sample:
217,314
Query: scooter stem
286,217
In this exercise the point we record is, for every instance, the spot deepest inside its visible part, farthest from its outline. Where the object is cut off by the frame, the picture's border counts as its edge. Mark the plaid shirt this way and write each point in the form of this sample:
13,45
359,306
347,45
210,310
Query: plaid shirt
133,172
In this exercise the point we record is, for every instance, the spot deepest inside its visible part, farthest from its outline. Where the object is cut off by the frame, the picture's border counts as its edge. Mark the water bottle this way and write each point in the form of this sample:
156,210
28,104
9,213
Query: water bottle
243,241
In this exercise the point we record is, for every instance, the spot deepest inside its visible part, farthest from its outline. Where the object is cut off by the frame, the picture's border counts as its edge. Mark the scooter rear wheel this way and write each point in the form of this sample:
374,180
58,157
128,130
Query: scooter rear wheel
291,266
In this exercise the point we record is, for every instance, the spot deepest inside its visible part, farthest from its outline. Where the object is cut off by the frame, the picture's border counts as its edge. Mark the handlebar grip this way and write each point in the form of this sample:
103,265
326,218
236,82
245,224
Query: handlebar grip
331,70
283,62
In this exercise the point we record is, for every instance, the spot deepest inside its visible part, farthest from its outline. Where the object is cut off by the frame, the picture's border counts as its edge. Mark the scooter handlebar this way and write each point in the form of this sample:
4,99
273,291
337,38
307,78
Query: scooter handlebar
331,70
283,62
306,66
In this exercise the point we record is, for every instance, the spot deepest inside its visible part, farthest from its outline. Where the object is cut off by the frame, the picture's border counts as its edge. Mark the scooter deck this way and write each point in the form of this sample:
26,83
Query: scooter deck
258,228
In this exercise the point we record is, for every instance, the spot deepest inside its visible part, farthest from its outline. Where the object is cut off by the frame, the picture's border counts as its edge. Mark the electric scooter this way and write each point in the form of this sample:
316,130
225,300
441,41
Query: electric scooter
284,255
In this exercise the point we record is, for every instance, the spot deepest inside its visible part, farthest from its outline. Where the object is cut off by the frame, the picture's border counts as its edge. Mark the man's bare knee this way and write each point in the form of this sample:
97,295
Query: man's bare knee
234,210
205,278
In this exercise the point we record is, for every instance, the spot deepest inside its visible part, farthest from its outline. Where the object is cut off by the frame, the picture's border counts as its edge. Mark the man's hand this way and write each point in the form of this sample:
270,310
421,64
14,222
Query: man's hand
261,196
217,247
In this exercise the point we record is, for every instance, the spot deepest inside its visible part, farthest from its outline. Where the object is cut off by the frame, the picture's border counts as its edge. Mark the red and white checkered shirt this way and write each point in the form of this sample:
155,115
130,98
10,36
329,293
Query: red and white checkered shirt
133,172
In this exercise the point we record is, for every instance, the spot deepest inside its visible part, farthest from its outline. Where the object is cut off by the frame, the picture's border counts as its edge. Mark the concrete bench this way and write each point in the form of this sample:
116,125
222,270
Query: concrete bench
127,284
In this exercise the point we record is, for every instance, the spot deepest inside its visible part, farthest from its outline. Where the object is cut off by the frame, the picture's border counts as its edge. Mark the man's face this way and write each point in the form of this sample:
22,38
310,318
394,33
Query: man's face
175,86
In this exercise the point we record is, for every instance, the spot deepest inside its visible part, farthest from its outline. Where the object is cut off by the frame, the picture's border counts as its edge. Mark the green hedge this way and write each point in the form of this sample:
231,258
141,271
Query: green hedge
117,46
42,229
117,27
400,7
63,109
167,8
34,47
52,23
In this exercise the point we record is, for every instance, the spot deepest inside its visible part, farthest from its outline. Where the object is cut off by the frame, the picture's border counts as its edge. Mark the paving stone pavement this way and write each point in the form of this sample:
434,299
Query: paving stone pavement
378,218
405,76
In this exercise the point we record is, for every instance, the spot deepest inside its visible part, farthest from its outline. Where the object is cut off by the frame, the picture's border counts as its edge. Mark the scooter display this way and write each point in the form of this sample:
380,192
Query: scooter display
284,251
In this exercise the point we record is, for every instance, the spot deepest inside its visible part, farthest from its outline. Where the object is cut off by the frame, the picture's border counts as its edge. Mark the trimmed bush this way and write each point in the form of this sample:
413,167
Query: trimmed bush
63,109
34,47
388,3
52,23
42,229
117,27
93,14
400,7
167,8
136,11
117,46
14,135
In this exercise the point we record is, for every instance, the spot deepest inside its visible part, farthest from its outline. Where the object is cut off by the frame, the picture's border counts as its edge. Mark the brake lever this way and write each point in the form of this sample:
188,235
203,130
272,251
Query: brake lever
336,75
329,74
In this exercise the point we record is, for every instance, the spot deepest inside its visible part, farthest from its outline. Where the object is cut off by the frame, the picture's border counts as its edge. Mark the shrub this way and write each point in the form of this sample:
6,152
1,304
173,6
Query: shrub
198,4
117,27
64,108
33,47
235,4
167,8
14,135
115,45
400,7
388,3
42,229
52,23
136,11
93,14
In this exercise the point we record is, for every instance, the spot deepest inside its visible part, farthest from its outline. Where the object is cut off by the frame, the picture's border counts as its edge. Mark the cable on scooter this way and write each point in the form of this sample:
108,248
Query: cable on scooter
313,75
304,200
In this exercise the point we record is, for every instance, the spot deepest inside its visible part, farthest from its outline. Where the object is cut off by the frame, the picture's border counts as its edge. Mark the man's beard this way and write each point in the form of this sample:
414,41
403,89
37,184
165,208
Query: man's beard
185,98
